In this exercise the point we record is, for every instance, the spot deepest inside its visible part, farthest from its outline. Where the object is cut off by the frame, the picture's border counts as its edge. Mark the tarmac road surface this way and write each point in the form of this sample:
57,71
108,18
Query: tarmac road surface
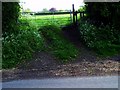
66,82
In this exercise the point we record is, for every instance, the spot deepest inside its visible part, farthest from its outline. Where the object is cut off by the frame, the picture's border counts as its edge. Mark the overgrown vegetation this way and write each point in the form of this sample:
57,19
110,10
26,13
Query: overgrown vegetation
57,44
21,38
102,38
106,12
100,28
10,14
17,48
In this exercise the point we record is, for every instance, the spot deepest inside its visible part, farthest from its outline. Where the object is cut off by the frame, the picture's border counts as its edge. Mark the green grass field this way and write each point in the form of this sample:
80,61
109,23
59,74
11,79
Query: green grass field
41,20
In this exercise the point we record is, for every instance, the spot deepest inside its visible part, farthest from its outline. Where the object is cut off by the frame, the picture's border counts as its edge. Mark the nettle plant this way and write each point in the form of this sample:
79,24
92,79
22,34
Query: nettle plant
17,48
88,33
95,37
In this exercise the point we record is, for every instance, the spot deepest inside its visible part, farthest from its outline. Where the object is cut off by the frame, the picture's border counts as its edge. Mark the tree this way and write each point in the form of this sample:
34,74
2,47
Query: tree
52,10
45,10
26,10
82,8
66,10
104,12
61,10
10,13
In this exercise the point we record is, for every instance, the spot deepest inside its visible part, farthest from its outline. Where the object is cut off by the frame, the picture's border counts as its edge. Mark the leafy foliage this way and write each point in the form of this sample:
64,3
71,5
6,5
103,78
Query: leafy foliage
100,29
21,38
102,38
107,13
82,9
10,13
17,48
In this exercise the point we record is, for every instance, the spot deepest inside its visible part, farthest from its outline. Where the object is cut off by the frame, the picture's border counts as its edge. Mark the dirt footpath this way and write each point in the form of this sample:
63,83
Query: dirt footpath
45,65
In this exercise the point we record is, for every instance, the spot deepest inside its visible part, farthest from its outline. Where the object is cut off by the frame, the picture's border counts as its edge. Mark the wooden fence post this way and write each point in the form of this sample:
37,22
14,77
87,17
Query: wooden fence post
76,17
80,14
73,13
83,14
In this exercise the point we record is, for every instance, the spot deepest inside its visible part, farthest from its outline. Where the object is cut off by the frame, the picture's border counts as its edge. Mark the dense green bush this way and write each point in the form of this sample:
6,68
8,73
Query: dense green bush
57,44
101,38
10,14
105,12
100,29
18,48
20,37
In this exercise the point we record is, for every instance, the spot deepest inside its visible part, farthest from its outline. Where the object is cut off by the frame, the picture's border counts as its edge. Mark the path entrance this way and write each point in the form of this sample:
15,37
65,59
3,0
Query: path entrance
45,65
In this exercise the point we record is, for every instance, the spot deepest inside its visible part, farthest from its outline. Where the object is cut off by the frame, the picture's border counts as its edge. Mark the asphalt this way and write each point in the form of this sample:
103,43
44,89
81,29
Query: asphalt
68,82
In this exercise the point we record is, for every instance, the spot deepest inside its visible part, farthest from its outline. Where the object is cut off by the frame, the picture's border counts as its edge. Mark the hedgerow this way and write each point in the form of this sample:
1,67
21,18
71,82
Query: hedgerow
17,48
101,38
